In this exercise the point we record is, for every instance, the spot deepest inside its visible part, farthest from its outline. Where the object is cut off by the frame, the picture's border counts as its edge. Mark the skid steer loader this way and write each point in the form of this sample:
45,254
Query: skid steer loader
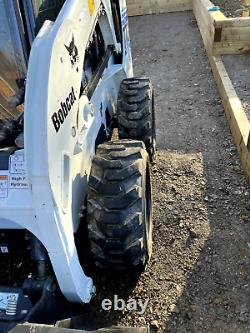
66,81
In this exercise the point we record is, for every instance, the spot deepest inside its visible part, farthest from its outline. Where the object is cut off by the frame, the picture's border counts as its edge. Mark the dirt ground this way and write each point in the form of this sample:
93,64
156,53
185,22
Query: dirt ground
229,7
198,278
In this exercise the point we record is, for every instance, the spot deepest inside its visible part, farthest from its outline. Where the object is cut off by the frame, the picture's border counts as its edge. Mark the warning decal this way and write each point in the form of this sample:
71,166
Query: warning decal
15,178
91,4
17,164
18,182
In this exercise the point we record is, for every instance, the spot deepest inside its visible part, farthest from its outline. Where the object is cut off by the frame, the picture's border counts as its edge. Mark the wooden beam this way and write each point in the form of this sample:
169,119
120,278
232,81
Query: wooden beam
237,119
232,40
206,22
222,35
233,22
235,34
231,47
145,7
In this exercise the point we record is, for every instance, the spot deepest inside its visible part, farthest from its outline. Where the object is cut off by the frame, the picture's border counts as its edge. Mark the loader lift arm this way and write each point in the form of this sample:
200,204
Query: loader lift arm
60,79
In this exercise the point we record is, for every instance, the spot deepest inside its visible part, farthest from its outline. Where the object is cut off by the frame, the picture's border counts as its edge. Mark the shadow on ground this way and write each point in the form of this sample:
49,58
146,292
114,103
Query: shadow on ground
208,250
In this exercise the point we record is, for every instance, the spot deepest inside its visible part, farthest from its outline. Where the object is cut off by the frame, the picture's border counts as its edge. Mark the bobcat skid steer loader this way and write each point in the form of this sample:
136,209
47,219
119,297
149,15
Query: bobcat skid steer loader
66,81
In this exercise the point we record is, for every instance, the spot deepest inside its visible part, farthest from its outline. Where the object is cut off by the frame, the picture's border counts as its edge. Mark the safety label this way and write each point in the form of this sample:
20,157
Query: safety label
18,182
91,4
4,181
17,164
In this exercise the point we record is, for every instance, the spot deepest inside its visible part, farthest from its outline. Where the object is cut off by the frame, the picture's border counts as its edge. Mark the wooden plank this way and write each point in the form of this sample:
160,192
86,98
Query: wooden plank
162,6
245,13
218,38
138,7
232,36
234,47
221,35
234,22
145,7
205,22
235,34
230,98
238,121
207,5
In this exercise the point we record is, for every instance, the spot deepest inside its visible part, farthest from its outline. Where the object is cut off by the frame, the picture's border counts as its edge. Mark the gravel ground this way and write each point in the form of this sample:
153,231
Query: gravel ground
198,278
229,7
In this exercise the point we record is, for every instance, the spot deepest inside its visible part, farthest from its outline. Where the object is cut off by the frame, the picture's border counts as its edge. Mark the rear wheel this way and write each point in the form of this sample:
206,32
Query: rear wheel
135,112
119,206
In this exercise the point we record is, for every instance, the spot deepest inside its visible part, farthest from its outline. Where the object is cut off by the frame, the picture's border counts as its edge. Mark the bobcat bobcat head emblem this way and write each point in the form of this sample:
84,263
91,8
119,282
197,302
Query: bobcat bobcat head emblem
73,52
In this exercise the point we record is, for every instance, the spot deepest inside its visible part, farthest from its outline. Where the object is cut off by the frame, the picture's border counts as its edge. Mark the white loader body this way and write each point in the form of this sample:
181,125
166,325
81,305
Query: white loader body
44,186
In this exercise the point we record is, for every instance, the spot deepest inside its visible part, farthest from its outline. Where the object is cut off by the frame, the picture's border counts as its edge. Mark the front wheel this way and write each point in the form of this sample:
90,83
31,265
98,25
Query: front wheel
119,209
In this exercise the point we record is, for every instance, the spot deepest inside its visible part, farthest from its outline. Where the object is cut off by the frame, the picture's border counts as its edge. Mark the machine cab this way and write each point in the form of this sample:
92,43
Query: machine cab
20,20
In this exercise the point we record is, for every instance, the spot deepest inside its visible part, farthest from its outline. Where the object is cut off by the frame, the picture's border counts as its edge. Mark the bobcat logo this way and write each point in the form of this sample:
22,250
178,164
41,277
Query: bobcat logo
73,53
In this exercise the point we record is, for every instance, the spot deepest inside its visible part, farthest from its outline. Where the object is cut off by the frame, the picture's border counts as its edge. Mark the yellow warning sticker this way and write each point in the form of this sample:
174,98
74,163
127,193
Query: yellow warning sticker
91,4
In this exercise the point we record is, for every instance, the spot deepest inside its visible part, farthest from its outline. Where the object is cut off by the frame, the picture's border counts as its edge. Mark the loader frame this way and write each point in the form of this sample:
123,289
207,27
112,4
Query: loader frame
67,110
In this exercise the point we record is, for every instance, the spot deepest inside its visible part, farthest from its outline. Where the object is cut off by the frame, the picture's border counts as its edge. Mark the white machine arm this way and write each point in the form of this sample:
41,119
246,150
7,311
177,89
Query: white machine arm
61,126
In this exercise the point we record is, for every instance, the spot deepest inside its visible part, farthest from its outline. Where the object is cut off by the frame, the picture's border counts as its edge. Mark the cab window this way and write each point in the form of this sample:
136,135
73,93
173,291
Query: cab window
46,10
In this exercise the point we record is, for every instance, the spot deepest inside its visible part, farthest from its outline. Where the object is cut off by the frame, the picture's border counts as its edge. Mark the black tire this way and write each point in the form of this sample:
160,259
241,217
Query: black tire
136,114
119,206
